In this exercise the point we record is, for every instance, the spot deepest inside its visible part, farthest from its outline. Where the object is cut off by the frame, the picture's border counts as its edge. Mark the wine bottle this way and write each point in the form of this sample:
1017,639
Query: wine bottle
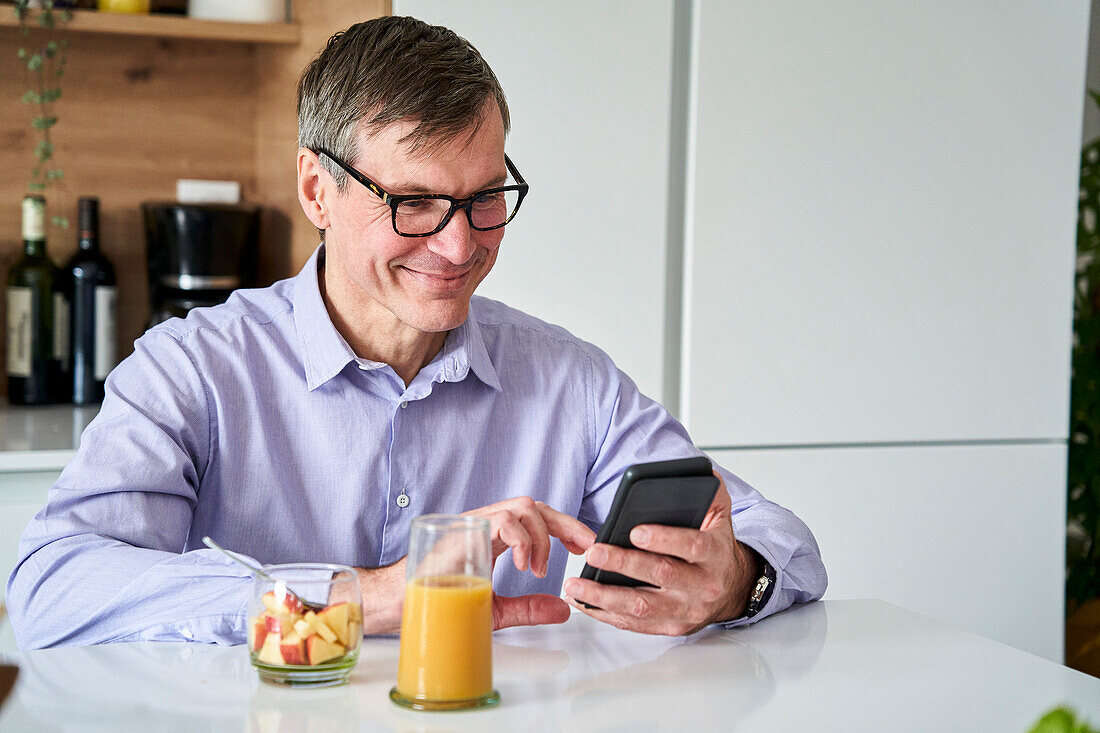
32,368
90,282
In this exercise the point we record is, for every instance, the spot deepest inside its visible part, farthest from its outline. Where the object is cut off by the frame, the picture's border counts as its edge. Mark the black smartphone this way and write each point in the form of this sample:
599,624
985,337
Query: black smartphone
676,493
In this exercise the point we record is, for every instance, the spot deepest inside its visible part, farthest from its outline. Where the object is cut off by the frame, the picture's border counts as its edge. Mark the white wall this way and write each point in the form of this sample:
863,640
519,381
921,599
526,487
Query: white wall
876,252
588,87
884,212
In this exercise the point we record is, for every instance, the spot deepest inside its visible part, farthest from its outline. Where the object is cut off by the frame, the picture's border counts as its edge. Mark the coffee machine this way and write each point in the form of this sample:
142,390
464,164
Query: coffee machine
198,254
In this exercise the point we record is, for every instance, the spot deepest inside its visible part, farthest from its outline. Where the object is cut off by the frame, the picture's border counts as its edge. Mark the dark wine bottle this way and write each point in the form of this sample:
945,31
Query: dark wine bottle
32,367
91,285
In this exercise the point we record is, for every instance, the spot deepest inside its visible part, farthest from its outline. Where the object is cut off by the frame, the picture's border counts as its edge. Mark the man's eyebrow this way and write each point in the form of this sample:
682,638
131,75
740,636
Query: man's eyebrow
409,187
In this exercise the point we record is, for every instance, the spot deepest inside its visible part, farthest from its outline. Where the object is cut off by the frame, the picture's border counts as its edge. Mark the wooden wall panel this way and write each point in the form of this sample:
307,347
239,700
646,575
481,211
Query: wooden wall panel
138,113
135,115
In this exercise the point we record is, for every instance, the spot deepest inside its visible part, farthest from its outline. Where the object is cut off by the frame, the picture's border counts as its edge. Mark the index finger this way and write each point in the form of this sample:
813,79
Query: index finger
573,533
692,545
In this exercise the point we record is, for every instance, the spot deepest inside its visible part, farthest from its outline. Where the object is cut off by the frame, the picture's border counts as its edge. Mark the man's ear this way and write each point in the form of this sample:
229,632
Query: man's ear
314,188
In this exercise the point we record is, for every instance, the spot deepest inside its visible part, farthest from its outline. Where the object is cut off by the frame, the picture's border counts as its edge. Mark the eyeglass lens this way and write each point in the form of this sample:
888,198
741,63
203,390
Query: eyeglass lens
420,216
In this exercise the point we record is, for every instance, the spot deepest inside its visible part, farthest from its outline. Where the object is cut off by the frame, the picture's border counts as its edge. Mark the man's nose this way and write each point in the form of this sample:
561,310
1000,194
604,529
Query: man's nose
454,241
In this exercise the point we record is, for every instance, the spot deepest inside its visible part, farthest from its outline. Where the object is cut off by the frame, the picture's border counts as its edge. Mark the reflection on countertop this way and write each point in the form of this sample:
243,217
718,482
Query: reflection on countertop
41,437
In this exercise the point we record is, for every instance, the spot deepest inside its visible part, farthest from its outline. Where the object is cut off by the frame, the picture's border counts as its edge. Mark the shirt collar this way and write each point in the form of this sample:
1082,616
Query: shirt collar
325,353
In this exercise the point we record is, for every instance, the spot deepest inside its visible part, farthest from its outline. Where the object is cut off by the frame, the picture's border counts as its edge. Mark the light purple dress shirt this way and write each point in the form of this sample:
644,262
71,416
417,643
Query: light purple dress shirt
255,423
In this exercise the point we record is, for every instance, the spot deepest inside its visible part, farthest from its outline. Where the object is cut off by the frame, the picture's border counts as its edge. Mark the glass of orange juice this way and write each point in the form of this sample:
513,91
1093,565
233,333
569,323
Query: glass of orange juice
446,660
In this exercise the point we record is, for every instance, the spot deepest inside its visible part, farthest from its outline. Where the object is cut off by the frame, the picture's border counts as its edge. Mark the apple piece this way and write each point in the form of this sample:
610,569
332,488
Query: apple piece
293,604
319,627
336,618
320,650
355,634
355,613
270,653
269,601
257,632
282,602
273,624
303,628
293,649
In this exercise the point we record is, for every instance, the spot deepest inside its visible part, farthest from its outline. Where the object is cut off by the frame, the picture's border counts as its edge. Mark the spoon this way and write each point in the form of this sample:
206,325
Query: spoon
281,591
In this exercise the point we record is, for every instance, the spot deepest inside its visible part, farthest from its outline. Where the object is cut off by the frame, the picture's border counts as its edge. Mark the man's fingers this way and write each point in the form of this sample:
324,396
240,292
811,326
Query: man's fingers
663,571
574,534
538,608
637,609
540,541
512,533
692,545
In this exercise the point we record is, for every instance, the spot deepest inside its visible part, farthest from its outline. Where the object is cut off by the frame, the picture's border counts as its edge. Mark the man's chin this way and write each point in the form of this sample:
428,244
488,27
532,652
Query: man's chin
437,317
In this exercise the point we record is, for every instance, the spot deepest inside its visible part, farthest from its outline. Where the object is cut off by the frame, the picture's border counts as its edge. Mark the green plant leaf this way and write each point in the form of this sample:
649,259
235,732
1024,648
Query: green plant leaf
1061,720
31,97
61,221
44,123
36,187
34,63
22,53
43,150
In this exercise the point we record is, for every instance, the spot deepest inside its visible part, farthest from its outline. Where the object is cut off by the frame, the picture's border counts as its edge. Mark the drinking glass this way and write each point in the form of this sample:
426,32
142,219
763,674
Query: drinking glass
446,660
305,624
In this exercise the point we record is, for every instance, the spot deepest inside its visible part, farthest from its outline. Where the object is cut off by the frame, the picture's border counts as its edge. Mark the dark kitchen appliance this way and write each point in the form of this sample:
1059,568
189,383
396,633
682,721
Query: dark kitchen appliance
198,254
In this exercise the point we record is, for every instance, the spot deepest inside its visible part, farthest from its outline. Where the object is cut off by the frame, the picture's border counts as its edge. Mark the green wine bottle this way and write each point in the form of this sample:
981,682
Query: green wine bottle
32,356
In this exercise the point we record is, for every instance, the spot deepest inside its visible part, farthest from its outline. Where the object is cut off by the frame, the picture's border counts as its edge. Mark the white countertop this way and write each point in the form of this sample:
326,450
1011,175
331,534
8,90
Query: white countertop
833,666
41,438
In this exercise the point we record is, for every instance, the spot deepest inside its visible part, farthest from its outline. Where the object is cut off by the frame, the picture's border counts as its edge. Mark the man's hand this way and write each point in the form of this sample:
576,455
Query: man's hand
523,525
526,526
702,576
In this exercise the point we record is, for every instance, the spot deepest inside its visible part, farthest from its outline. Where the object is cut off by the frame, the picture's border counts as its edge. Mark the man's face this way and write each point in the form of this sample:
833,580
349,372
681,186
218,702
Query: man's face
424,282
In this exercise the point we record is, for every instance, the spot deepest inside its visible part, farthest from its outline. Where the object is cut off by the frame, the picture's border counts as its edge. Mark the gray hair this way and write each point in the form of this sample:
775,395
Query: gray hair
390,69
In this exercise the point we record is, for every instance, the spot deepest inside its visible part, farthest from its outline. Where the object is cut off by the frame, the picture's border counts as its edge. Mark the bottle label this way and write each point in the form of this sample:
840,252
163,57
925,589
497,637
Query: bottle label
20,329
106,332
61,330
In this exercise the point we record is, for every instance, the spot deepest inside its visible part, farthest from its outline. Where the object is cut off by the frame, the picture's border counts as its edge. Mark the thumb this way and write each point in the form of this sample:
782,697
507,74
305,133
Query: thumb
532,610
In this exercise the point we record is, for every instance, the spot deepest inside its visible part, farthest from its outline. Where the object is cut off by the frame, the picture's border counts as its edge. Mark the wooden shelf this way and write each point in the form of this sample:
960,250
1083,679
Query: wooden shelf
168,26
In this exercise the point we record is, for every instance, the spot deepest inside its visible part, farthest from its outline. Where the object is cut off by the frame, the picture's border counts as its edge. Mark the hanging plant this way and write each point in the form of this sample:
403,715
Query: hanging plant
43,66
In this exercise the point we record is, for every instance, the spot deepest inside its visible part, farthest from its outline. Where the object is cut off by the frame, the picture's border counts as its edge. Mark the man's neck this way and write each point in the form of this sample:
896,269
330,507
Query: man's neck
375,334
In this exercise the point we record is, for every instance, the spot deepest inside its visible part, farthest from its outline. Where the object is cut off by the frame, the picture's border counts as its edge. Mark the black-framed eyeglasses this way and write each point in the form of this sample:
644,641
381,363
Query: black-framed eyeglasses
421,215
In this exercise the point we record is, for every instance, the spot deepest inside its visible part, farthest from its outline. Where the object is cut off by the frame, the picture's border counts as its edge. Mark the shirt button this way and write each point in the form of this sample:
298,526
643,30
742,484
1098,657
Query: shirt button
404,405
403,499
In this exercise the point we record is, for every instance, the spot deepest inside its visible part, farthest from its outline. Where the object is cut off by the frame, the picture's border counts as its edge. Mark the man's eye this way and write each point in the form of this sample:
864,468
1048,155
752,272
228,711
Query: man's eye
415,205
488,199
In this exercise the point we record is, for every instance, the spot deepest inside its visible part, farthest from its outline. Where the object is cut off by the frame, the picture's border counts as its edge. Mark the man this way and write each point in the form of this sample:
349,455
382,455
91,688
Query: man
313,420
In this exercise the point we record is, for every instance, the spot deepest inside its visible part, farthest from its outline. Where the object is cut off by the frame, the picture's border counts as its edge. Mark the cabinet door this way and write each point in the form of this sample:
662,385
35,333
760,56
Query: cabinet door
883,220
22,494
970,535
588,87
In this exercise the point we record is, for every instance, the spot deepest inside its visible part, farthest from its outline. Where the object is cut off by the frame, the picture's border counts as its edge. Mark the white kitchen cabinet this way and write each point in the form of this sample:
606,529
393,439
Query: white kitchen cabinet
588,87
22,494
971,535
882,220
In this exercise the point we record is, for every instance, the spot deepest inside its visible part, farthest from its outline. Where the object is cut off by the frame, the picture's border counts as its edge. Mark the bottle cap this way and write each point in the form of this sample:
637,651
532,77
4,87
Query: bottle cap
34,218
88,207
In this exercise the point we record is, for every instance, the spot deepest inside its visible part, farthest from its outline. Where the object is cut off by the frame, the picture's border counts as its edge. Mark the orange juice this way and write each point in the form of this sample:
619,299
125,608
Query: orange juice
446,638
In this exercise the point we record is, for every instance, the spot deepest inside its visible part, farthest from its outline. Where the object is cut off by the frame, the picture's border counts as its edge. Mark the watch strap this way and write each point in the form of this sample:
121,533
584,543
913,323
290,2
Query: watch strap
762,591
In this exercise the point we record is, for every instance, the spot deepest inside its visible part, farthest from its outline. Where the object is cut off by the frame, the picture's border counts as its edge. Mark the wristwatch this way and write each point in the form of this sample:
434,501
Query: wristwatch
762,591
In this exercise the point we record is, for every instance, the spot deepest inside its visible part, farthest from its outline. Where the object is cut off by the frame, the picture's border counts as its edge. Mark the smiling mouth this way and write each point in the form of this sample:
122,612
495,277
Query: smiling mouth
444,281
